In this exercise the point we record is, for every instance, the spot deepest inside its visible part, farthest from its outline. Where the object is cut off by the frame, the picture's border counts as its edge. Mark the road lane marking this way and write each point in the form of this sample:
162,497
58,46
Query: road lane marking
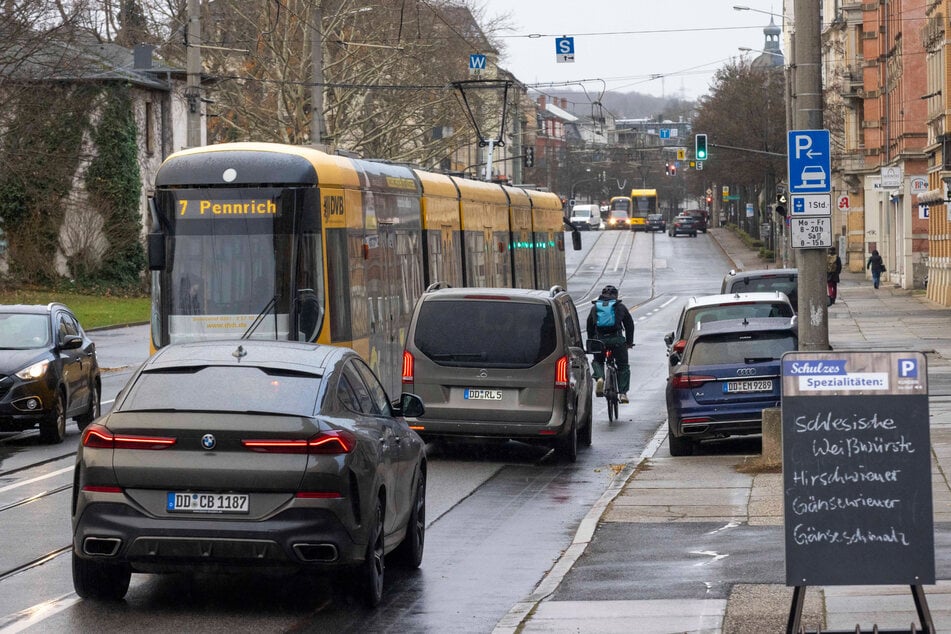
24,619
49,475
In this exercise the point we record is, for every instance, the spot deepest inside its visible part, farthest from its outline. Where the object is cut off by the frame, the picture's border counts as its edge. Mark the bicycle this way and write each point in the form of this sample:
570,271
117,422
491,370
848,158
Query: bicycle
611,392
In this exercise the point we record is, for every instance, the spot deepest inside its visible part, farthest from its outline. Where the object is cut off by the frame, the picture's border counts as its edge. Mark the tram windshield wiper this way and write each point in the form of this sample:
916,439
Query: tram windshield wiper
272,303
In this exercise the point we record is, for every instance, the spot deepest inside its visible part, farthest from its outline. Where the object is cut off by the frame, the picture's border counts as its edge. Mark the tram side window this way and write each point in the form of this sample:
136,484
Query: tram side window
338,265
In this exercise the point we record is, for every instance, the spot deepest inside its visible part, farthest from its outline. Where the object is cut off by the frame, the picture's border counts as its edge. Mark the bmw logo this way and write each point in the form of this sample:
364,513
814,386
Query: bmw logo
208,442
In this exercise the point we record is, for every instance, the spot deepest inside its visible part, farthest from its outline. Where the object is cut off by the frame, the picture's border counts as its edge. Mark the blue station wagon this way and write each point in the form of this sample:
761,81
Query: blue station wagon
729,372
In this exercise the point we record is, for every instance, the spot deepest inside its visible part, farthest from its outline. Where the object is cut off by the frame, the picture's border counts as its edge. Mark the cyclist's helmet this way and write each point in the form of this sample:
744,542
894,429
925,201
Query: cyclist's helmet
609,292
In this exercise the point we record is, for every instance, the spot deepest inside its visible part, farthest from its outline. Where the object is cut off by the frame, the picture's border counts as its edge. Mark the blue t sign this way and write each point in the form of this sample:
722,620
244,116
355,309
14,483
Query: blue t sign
810,168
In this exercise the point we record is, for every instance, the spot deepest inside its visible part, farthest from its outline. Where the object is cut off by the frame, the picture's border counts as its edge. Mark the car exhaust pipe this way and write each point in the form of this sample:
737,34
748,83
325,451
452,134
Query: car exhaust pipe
101,546
314,553
694,429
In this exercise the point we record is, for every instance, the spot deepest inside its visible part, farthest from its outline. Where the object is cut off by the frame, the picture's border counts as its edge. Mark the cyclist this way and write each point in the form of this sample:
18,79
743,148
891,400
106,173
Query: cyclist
610,321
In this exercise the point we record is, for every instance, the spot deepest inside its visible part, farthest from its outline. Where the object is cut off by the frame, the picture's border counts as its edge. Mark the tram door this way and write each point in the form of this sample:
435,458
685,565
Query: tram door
390,343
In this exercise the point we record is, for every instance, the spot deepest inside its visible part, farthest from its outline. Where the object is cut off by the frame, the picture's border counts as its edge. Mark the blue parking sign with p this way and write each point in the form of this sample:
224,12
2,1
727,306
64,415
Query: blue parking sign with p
809,162
907,368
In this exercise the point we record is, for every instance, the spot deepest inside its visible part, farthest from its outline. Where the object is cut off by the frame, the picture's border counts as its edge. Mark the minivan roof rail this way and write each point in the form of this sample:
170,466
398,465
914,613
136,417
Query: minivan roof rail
435,286
554,290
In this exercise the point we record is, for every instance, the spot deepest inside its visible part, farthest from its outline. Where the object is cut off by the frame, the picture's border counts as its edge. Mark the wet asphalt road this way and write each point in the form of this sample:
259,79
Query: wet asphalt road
499,515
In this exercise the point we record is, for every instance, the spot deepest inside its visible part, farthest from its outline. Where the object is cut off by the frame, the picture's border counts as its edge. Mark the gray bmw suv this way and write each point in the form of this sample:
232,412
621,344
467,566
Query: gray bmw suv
500,362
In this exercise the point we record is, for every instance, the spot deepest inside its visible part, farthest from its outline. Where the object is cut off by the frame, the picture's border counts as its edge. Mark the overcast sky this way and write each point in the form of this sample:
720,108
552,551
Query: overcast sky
666,48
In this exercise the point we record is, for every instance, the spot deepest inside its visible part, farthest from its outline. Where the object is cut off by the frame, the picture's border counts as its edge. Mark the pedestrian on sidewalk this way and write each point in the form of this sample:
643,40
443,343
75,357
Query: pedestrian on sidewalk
877,266
833,269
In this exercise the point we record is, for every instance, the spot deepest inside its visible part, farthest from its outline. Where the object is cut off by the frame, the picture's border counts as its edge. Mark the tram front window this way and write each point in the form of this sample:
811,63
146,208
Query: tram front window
229,262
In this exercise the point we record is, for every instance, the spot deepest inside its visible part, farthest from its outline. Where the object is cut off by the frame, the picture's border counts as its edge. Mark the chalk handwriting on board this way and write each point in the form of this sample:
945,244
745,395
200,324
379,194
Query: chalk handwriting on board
856,469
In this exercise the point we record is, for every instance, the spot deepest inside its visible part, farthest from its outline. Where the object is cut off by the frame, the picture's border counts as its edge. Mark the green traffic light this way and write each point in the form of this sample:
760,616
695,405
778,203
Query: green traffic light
700,147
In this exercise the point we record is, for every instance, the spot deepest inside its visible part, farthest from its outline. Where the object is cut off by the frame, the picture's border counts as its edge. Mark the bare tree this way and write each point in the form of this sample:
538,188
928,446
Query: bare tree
387,73
744,118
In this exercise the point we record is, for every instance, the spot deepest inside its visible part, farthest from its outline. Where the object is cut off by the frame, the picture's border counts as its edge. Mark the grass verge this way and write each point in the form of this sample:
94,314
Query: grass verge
93,311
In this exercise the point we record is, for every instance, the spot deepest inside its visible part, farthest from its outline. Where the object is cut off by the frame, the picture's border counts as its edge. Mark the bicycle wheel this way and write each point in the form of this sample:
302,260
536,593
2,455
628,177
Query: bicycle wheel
610,391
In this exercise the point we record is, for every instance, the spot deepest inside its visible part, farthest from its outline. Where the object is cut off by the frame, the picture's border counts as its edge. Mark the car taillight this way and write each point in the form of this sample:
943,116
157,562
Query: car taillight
98,437
409,367
561,373
679,346
93,488
687,380
331,443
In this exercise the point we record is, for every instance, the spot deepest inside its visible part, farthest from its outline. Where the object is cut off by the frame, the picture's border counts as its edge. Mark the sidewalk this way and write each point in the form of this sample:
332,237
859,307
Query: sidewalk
677,492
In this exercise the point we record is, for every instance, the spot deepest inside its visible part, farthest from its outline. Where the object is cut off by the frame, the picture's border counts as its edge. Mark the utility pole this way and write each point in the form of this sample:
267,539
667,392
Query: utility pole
807,115
193,74
317,90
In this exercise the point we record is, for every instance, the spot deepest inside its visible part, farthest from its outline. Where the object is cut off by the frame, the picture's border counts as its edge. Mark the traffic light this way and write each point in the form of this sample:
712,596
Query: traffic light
667,168
709,199
781,204
673,169
700,147
529,158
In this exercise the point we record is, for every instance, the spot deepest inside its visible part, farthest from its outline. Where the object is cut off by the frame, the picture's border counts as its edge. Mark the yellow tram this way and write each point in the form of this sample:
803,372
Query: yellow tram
277,241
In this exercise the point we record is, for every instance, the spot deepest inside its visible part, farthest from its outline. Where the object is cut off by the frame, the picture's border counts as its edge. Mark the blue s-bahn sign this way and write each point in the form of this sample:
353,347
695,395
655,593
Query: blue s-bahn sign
810,167
564,49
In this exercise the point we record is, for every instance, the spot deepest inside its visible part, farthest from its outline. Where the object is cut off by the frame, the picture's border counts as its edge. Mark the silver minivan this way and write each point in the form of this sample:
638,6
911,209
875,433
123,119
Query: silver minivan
500,363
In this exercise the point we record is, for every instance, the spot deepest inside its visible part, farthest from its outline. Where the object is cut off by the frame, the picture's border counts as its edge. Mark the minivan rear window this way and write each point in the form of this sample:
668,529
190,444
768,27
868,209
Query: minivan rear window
501,334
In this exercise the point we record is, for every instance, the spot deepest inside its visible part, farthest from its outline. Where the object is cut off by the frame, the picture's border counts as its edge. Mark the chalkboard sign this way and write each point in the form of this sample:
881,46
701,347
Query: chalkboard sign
857,469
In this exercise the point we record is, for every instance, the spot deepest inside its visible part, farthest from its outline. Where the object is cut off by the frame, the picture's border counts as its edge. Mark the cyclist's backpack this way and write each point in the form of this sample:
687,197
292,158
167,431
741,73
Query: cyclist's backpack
606,317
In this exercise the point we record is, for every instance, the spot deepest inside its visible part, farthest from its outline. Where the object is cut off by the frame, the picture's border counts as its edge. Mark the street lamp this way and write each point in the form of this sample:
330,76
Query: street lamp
746,49
740,7
583,180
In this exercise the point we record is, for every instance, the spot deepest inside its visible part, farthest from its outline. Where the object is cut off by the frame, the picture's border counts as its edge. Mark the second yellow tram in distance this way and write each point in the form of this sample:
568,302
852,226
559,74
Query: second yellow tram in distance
288,242
643,203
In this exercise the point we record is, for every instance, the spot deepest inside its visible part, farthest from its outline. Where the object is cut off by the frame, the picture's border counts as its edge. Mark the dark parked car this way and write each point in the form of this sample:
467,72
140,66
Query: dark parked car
500,363
656,222
729,372
48,371
237,455
683,224
761,280
701,218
